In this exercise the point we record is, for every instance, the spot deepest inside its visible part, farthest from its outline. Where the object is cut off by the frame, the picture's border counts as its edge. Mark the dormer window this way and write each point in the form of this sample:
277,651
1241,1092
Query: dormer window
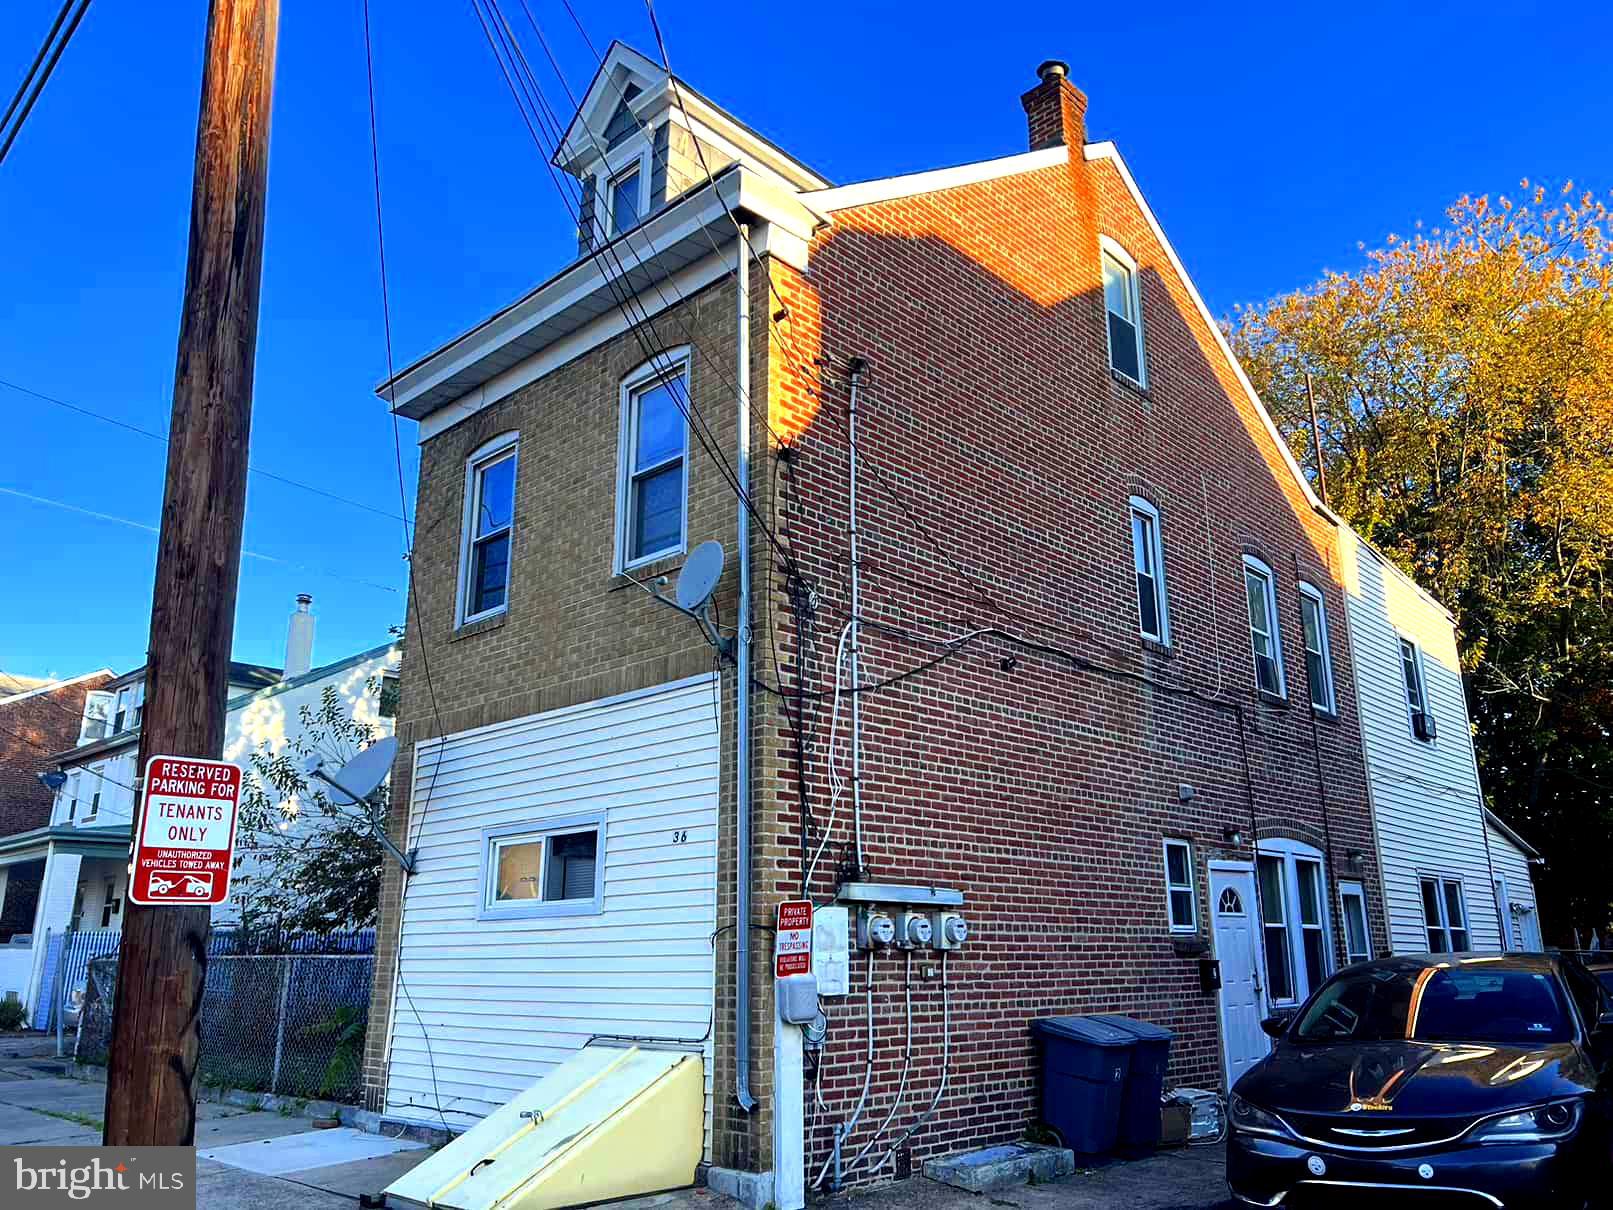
625,201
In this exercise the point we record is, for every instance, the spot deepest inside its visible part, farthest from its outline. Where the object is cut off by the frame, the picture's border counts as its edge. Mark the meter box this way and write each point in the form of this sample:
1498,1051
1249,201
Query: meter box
831,949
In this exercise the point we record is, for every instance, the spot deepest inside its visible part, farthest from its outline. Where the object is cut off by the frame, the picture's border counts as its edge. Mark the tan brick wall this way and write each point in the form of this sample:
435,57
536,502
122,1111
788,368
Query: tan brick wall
573,631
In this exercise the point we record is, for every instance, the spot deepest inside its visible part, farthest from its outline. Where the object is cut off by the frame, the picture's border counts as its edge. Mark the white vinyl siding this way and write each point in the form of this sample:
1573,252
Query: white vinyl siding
1425,797
1512,868
503,1001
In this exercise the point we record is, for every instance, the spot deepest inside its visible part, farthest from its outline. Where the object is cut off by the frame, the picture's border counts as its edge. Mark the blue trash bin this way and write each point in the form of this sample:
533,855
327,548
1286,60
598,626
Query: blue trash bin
1084,1065
1145,1081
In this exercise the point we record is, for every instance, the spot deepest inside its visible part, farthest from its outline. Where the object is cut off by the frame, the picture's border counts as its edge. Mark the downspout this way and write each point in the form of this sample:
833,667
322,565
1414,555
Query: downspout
742,678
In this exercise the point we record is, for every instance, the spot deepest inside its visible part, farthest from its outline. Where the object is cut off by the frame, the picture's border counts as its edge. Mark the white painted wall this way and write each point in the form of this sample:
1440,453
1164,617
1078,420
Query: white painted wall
1426,801
1512,867
55,910
16,963
501,1002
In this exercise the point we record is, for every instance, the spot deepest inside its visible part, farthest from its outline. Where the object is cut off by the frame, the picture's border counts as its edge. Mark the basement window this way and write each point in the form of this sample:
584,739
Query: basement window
1264,638
1122,302
550,869
1148,561
484,577
652,491
1179,895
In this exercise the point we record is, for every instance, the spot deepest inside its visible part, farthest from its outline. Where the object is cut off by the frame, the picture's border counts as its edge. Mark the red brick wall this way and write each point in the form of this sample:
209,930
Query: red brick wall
998,456
32,729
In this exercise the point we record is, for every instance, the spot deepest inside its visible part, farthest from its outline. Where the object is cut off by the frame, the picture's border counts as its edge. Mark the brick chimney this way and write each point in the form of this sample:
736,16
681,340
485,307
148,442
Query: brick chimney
1056,109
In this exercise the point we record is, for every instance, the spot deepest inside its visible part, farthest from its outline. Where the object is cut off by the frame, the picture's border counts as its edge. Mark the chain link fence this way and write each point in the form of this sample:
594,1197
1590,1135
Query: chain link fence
291,1023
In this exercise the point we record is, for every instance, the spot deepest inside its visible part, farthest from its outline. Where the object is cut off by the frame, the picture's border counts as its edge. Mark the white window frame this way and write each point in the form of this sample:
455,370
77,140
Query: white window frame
1107,246
543,831
1503,912
657,370
1309,592
1192,925
1358,892
1290,853
483,457
98,772
70,795
1401,644
1254,566
1139,507
1441,881
641,154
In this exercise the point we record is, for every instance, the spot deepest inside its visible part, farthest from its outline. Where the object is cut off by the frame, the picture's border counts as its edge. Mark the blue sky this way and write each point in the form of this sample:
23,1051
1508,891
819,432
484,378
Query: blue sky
1268,139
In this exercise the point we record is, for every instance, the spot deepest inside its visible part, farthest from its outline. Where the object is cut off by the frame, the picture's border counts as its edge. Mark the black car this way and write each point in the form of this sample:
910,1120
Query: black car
1471,1079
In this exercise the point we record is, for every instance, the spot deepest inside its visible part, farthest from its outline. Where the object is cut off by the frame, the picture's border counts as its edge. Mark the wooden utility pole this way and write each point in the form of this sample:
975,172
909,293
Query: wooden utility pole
150,1093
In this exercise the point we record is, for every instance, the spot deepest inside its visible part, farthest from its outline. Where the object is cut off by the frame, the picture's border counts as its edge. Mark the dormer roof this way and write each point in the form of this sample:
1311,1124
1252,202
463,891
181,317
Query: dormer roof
631,91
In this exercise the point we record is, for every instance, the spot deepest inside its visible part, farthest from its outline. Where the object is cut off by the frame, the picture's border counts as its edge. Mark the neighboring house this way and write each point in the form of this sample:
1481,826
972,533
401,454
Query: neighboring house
1442,873
1514,859
83,846
1088,707
38,717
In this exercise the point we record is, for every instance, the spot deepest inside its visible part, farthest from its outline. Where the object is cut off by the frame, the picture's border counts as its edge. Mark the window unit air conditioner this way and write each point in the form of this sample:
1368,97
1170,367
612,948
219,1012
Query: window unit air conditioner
1422,726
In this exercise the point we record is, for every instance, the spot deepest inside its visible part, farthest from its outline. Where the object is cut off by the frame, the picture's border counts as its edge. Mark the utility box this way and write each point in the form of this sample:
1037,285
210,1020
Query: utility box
1145,1083
831,949
1084,1067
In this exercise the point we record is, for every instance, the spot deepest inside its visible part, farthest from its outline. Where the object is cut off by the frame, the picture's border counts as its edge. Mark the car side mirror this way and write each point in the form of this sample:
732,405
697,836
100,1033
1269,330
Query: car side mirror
1604,1024
1277,1024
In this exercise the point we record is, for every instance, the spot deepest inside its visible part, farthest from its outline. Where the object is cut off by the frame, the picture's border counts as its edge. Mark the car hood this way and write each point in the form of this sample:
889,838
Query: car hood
1432,1079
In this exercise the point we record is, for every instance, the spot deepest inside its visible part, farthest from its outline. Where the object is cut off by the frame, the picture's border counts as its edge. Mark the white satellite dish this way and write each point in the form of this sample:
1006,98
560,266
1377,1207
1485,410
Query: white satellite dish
355,781
358,778
698,579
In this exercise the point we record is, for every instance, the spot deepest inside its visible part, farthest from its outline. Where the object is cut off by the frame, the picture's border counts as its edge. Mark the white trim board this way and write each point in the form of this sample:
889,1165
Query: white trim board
884,189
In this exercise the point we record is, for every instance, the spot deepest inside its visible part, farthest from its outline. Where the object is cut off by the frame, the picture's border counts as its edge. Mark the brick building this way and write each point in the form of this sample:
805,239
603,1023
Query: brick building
1101,672
37,719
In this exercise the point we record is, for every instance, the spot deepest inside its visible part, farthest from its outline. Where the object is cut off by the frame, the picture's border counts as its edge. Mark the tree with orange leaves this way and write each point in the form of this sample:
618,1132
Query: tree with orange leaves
1464,387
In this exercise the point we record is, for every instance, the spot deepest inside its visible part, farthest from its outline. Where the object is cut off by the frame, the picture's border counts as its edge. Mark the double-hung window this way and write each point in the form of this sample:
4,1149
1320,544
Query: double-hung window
625,204
652,508
1357,941
1148,561
1294,921
129,705
1411,674
1318,657
1122,303
1445,915
554,868
489,529
1181,899
1260,586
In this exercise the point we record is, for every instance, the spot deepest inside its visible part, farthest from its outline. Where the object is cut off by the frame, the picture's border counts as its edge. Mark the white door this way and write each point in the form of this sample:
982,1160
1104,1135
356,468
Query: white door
1232,907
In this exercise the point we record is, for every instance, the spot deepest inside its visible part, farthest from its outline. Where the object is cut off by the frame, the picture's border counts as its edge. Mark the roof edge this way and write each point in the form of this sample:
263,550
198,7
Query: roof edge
933,180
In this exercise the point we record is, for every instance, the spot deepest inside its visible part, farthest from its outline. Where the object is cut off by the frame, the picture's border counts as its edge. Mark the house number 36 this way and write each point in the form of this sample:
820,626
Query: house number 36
680,836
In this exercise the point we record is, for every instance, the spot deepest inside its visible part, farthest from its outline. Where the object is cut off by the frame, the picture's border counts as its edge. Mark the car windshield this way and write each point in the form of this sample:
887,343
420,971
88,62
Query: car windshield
1438,1004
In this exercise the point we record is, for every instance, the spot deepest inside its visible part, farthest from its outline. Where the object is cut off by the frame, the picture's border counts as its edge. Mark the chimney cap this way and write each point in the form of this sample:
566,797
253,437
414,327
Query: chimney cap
1053,69
304,600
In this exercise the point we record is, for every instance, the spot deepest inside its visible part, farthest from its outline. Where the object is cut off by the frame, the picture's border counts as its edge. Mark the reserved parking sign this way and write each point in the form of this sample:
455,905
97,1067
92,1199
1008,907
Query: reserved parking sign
185,838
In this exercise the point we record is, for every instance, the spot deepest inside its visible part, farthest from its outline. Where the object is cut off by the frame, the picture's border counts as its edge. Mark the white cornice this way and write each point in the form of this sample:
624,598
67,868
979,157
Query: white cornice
864,193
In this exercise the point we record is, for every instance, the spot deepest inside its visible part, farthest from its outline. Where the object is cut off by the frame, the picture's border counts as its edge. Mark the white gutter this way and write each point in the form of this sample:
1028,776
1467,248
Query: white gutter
742,789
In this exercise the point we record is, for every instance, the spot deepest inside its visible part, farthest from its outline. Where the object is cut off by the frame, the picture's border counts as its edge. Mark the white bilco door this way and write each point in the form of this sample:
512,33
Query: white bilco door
489,1001
1232,908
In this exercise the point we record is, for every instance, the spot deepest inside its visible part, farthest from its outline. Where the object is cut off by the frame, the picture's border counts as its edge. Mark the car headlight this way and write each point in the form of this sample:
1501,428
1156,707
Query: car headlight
1252,1118
1541,1124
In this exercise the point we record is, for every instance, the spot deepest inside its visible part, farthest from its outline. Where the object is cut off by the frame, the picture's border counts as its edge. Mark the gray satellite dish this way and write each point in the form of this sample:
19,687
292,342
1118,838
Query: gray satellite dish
355,781
698,579
358,778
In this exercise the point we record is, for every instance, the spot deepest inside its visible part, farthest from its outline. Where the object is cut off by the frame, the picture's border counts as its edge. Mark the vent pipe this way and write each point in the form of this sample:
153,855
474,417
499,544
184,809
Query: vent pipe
300,638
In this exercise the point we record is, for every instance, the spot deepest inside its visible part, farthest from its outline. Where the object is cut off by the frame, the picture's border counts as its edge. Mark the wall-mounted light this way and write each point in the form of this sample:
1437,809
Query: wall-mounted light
1355,859
1186,792
1233,835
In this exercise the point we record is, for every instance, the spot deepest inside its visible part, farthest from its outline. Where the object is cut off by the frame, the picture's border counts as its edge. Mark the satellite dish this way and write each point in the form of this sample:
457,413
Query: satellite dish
357,779
698,579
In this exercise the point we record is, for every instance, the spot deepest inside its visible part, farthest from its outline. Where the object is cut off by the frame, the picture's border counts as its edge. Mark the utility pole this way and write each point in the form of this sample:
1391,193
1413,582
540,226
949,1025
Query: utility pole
150,1086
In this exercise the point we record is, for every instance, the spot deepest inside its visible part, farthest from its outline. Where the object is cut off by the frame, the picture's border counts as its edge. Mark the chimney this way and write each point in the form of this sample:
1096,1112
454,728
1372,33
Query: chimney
300,639
1057,109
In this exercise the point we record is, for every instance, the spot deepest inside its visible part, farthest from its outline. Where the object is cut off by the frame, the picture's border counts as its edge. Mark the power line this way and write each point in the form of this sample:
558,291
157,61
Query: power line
155,436
38,78
152,529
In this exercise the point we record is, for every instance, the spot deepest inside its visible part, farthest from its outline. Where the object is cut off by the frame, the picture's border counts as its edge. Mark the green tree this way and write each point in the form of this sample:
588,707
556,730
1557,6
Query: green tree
1464,385
312,863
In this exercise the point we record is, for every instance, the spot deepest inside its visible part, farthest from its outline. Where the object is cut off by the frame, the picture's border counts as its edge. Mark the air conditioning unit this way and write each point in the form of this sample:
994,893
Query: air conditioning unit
1422,725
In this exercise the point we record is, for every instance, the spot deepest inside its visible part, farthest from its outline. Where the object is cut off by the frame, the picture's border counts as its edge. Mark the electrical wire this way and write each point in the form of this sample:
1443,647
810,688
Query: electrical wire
907,1067
144,432
846,1126
946,1072
43,77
